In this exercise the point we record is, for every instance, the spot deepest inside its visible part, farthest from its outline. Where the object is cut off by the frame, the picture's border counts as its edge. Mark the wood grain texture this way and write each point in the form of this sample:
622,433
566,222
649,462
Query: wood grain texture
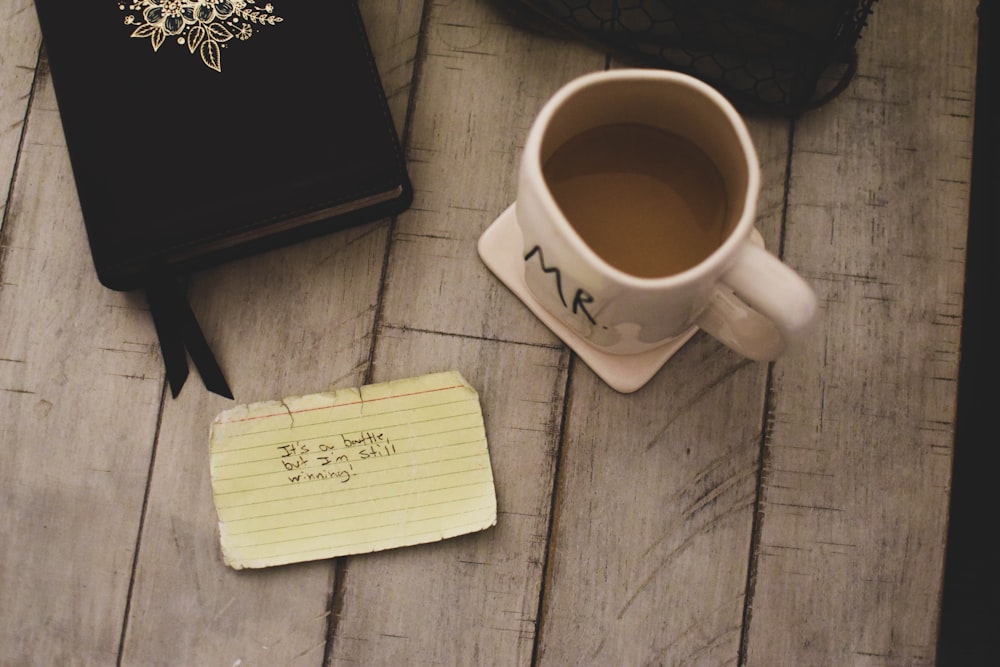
393,30
858,457
472,599
314,335
654,511
80,388
655,502
293,321
728,513
481,83
19,42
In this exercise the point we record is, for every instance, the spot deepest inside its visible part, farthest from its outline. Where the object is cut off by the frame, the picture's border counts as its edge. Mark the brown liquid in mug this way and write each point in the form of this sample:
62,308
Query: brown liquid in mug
649,202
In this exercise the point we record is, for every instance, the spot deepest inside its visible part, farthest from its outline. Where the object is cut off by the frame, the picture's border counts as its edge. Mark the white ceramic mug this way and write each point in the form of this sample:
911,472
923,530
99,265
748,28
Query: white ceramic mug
741,294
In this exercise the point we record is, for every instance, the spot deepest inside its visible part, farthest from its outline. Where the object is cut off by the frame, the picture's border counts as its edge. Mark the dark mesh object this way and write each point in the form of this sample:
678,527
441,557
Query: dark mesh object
781,56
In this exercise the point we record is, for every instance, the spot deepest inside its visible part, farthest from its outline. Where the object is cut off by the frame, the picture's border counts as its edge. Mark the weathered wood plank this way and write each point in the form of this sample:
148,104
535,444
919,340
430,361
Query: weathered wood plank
642,555
471,599
80,388
394,34
293,321
653,516
19,42
857,464
482,82
655,502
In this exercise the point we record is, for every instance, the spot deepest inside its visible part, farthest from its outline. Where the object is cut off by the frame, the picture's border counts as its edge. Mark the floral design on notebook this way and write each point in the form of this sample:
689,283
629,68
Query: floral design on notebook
204,26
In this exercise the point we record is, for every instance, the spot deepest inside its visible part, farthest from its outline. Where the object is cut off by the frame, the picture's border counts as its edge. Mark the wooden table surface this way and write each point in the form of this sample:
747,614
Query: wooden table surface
792,513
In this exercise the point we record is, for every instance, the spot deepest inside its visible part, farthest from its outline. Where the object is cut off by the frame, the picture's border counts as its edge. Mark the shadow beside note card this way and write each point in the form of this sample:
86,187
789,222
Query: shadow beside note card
352,471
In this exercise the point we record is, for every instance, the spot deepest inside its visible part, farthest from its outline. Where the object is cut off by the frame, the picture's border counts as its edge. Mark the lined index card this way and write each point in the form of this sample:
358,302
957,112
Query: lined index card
353,471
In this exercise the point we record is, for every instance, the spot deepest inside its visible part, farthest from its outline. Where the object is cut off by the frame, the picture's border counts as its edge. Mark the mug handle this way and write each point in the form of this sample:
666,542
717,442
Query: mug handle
760,307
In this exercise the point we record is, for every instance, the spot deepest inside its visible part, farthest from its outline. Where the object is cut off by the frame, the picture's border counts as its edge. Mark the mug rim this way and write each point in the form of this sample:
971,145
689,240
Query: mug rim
717,259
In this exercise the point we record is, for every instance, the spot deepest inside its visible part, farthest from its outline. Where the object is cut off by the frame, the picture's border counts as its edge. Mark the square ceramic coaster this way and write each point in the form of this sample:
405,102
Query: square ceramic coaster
501,249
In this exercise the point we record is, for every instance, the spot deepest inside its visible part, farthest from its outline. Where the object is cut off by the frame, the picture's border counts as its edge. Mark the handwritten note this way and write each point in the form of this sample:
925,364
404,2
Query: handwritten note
353,471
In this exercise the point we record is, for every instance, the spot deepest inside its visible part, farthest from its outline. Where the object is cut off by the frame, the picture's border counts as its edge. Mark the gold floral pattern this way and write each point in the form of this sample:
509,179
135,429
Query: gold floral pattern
205,26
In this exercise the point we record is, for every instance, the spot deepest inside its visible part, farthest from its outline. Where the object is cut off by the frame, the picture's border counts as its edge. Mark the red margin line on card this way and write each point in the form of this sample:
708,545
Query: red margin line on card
341,405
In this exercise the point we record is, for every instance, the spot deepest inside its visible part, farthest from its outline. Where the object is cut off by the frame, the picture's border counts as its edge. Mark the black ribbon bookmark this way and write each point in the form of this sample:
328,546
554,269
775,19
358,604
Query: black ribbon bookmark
179,334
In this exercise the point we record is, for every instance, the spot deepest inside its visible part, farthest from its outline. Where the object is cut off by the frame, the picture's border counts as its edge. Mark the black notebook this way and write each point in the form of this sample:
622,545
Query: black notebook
202,131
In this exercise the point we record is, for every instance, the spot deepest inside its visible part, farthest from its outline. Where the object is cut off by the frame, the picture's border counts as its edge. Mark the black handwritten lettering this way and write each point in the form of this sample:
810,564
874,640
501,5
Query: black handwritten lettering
365,438
295,465
579,303
537,250
343,476
580,299
330,464
376,451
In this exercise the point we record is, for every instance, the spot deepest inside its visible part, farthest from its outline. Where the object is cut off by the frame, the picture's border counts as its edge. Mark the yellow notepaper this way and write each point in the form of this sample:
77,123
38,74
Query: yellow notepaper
352,471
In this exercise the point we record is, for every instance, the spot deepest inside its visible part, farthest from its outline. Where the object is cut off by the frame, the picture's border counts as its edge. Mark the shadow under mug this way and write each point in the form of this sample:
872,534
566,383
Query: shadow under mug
741,294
